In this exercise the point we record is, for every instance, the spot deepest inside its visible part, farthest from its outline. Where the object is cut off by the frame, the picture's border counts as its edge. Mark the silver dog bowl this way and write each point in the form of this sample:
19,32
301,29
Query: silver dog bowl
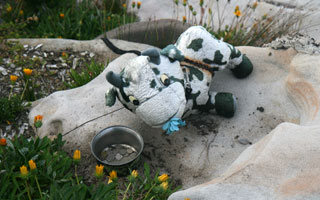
117,146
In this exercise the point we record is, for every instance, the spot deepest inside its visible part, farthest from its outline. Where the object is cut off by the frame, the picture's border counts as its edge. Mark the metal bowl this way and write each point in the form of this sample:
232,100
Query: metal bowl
117,146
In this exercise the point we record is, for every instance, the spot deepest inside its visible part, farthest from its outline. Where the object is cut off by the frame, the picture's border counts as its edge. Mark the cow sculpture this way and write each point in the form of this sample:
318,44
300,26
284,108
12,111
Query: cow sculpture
164,86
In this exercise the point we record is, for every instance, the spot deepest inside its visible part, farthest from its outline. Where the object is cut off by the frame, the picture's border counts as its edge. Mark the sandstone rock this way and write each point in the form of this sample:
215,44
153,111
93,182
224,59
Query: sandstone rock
283,165
97,47
206,147
159,33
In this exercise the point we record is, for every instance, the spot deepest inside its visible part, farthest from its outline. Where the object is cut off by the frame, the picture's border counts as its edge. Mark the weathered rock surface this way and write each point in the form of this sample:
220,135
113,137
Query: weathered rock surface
300,42
282,165
97,47
158,33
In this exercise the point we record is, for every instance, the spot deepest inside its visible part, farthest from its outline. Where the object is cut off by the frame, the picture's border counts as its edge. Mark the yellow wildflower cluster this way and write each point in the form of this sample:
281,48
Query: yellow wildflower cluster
184,19
13,78
112,176
99,171
77,155
9,8
24,170
237,12
134,173
27,71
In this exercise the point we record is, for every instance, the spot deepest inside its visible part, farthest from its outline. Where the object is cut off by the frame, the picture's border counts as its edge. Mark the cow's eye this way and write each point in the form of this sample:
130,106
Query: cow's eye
133,100
165,79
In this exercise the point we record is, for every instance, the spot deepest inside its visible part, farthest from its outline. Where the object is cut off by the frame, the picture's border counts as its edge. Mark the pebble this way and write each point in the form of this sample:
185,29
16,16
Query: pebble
129,151
118,156
244,141
38,46
25,47
52,66
91,55
12,65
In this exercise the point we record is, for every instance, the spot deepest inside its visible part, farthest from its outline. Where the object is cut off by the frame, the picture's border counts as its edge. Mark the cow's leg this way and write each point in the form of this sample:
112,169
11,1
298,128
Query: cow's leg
239,64
223,103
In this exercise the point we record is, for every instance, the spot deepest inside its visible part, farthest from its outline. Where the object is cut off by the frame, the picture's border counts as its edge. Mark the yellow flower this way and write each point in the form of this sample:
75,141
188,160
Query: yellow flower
237,13
164,185
108,18
21,12
210,11
9,9
38,121
61,15
32,165
163,177
3,142
109,181
112,175
38,118
63,54
237,8
27,71
187,199
201,3
59,36
76,155
254,5
134,173
13,78
99,171
139,4
133,4
24,171
184,19
124,6
185,2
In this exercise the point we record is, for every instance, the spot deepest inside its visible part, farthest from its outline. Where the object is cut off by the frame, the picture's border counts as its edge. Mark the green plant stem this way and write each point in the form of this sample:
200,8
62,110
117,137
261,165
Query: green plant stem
149,191
75,173
125,193
38,186
10,92
29,196
24,89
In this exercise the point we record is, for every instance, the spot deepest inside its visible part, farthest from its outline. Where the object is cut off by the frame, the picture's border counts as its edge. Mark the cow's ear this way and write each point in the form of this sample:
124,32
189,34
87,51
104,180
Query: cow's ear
111,95
153,54
172,52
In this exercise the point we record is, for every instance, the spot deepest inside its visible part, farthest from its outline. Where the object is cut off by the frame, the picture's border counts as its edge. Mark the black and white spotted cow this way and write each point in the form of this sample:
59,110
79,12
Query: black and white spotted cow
162,87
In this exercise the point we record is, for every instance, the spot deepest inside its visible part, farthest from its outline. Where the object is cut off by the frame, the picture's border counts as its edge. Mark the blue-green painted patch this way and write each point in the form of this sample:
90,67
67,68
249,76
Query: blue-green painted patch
153,84
196,72
156,71
196,44
217,59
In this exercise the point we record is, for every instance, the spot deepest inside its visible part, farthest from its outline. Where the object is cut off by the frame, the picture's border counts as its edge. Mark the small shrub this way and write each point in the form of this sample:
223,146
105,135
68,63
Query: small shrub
79,79
62,19
38,168
10,108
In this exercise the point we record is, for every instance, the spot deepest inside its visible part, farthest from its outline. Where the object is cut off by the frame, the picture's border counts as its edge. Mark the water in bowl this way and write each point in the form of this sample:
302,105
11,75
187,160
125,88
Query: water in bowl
118,154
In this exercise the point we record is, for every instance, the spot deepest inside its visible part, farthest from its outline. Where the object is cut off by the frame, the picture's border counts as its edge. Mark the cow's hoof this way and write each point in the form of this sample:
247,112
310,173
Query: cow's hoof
243,69
225,104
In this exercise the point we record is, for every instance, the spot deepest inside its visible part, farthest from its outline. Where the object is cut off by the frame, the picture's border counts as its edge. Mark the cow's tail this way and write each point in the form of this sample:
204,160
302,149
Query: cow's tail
117,50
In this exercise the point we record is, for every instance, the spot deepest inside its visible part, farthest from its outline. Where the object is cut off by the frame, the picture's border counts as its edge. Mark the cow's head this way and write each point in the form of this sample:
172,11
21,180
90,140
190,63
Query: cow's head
150,85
